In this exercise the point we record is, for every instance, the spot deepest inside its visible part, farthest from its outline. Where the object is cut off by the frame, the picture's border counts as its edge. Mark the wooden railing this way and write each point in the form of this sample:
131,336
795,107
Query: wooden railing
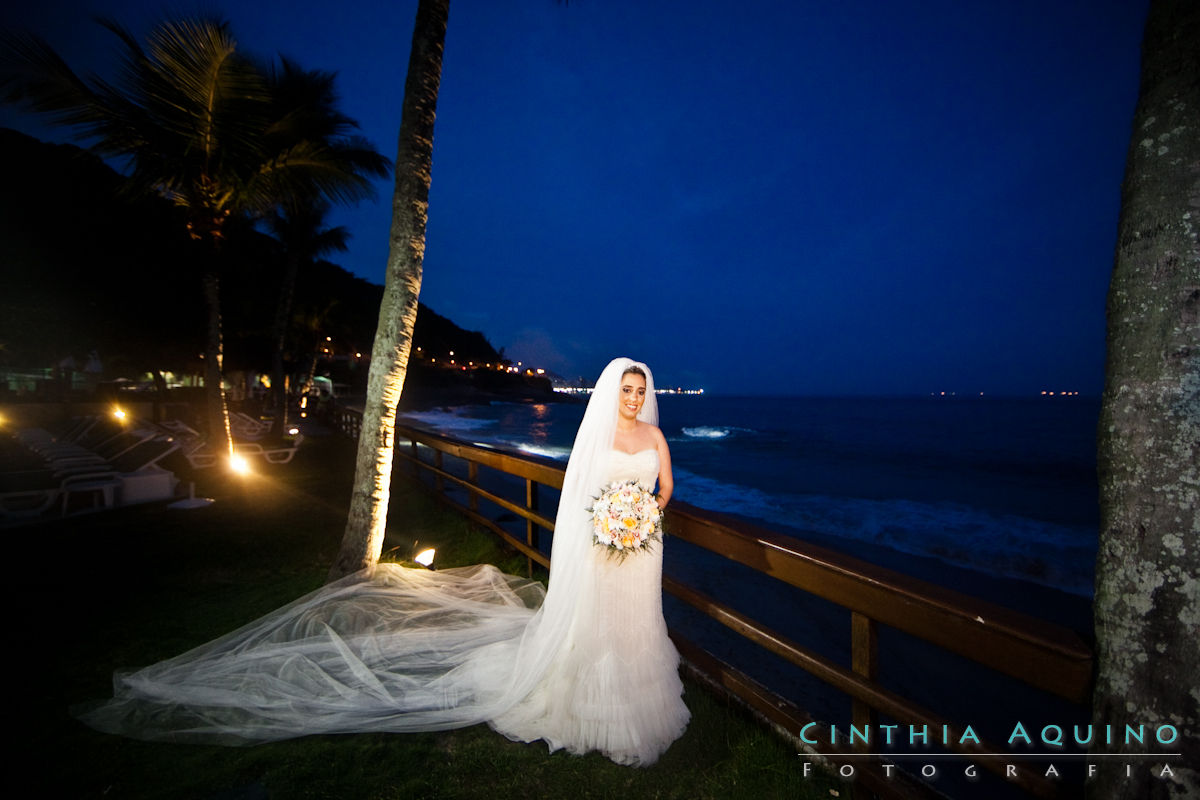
1041,654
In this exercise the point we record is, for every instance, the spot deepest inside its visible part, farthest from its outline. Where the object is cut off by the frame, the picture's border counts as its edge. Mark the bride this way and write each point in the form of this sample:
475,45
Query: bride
583,665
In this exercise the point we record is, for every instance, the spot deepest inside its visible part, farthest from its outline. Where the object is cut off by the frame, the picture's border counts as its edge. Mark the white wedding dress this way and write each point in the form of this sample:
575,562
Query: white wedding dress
586,666
614,686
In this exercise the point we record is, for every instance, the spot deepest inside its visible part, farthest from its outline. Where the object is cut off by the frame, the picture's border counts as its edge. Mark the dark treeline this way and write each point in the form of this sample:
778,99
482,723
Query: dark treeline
87,267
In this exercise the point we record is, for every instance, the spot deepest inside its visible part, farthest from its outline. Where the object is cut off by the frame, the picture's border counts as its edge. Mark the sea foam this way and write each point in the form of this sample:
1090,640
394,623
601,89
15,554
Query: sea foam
970,538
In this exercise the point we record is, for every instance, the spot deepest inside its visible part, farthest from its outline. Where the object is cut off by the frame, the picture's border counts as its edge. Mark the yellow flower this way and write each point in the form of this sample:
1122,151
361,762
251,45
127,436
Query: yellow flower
629,522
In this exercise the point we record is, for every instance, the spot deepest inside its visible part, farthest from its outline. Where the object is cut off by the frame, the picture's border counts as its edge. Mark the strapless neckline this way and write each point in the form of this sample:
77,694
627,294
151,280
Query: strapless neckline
636,452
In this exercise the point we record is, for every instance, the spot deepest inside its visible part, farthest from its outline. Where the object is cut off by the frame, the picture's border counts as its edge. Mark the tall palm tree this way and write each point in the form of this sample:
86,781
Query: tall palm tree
198,123
1147,608
367,520
302,239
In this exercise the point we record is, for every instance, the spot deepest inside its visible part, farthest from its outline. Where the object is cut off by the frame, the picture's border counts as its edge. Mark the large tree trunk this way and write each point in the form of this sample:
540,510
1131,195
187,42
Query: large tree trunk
1148,569
363,539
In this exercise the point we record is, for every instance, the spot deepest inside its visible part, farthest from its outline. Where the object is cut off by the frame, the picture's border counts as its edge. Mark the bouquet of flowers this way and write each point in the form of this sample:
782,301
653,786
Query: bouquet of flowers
626,518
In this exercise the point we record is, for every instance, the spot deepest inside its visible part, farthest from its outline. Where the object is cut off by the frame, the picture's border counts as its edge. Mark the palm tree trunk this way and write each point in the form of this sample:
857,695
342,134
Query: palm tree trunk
367,520
160,395
283,313
219,437
1147,608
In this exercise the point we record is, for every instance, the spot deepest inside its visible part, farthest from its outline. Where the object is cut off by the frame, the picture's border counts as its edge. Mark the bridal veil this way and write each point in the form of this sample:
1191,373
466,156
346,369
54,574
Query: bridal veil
388,649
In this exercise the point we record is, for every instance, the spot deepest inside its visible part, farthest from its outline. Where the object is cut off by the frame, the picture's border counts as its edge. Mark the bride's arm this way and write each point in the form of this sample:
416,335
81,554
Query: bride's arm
666,482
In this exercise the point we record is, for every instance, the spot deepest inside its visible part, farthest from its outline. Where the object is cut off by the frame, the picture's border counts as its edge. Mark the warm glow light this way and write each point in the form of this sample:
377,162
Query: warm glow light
425,557
118,413
293,431
239,464
543,372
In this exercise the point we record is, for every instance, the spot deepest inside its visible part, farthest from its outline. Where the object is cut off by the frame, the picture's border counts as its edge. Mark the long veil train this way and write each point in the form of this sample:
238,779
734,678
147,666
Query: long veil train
392,649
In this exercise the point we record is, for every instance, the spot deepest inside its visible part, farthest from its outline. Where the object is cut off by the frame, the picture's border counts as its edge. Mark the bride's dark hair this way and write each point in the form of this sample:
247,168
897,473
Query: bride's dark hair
634,369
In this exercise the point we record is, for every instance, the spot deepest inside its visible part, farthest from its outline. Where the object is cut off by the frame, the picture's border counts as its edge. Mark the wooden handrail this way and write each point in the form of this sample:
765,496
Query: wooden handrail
1039,653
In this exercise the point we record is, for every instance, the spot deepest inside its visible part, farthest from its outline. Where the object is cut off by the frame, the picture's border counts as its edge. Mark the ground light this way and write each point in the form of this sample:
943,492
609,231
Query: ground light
425,557
239,464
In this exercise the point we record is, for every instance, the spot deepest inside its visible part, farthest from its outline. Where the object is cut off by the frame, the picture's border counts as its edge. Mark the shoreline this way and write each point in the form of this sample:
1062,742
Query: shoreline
1055,604
427,388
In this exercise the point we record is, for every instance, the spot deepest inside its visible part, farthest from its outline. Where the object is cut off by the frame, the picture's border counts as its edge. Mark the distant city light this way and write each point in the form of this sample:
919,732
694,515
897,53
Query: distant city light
588,390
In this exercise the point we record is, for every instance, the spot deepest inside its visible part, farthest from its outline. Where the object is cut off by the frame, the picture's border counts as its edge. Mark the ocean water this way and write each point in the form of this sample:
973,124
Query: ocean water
998,487
993,497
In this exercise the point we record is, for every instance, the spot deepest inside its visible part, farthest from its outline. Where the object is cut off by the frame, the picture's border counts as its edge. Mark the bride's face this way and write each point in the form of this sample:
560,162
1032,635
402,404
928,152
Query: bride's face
633,394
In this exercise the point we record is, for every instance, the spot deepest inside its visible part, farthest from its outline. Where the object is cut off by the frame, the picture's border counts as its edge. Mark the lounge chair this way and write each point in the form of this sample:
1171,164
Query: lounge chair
280,454
246,427
123,470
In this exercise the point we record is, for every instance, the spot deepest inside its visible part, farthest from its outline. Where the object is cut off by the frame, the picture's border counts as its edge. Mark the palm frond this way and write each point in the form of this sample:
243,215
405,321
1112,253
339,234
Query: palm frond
34,76
200,122
301,230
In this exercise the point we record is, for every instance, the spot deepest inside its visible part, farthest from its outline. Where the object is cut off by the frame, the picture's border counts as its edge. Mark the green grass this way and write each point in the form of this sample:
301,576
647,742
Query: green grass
125,588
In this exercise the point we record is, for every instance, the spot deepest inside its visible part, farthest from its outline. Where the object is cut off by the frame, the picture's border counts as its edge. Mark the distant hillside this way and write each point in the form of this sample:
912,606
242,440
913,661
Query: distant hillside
84,268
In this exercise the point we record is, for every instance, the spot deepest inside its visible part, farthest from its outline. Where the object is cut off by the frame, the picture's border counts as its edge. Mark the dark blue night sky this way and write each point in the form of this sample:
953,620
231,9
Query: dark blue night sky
754,197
